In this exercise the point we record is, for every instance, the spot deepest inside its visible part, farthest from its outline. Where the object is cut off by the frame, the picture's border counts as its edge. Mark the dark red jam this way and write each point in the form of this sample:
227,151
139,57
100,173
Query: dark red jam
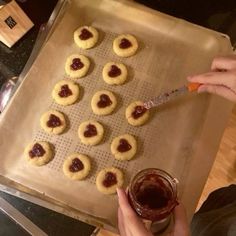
104,101
110,179
152,194
85,34
138,112
114,71
221,70
124,145
76,165
90,131
37,151
53,121
125,43
65,91
76,64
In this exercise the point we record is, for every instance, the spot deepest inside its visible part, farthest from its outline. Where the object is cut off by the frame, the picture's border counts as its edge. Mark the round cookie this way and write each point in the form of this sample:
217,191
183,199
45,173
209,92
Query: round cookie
76,166
86,37
65,92
77,66
124,147
53,122
136,113
38,153
103,102
125,45
90,132
114,73
109,179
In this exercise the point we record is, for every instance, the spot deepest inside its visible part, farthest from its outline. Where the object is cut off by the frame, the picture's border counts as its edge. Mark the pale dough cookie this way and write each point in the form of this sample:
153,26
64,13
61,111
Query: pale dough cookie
103,102
38,153
86,37
90,132
76,166
53,122
136,113
109,179
114,73
124,147
125,45
77,66
65,92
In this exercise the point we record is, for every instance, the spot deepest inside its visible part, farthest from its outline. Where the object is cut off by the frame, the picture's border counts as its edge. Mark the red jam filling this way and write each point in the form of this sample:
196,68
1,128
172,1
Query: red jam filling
37,151
76,165
125,43
90,131
110,179
138,112
124,146
104,101
53,121
76,64
85,34
114,71
65,91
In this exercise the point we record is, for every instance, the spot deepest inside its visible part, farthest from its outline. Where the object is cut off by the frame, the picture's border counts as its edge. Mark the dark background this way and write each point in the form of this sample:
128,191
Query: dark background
219,15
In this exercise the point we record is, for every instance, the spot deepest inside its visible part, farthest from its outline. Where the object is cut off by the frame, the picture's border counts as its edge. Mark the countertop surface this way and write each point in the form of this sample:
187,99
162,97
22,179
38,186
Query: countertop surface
218,15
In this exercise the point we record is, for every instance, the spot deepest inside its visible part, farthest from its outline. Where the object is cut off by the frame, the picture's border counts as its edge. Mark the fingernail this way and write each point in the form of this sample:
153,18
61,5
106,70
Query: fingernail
118,191
202,89
189,78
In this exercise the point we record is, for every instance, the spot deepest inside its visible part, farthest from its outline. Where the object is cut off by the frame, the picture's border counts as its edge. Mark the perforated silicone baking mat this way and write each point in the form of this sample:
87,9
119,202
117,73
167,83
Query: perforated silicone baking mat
174,137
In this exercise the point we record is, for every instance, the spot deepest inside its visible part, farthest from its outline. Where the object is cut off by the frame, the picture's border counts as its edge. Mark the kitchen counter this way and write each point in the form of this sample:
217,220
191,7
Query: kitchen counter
218,15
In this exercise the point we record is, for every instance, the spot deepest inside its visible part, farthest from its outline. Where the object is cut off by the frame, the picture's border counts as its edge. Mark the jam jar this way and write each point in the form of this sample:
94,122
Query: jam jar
152,194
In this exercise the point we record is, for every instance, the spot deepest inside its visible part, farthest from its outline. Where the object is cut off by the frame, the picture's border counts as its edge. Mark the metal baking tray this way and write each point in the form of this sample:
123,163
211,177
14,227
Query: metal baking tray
183,135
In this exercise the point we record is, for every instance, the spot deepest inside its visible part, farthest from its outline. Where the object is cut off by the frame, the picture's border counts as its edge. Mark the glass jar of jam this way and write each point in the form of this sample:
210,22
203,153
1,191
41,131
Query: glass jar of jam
153,194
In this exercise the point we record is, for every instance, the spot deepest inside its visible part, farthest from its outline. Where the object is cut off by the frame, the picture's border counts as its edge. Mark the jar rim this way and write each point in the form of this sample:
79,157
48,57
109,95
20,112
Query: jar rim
162,174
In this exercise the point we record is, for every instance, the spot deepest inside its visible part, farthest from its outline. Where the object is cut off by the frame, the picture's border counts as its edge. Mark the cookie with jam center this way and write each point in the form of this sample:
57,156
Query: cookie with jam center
103,102
65,92
125,45
124,147
90,132
77,66
86,37
114,73
53,122
76,166
109,179
39,153
136,114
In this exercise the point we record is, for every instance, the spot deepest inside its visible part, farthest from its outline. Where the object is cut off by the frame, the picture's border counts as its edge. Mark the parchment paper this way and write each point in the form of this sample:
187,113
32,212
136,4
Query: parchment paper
181,137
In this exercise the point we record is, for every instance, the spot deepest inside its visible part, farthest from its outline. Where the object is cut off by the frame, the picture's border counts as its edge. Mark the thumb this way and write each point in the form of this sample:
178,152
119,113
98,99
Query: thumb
181,224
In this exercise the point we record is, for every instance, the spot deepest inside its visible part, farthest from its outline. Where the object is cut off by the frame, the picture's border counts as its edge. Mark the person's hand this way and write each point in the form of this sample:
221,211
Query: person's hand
128,221
181,227
131,225
221,80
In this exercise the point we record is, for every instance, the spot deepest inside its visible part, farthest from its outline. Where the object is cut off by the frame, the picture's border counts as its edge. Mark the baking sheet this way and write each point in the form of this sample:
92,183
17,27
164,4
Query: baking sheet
181,137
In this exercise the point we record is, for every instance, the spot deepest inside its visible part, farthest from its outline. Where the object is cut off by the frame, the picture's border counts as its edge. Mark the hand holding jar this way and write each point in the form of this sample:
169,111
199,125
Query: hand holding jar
131,225
149,204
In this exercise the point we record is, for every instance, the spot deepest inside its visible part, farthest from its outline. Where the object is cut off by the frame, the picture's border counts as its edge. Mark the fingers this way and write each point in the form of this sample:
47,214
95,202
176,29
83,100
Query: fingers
224,63
124,203
227,79
180,214
221,80
181,224
132,223
121,224
219,90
